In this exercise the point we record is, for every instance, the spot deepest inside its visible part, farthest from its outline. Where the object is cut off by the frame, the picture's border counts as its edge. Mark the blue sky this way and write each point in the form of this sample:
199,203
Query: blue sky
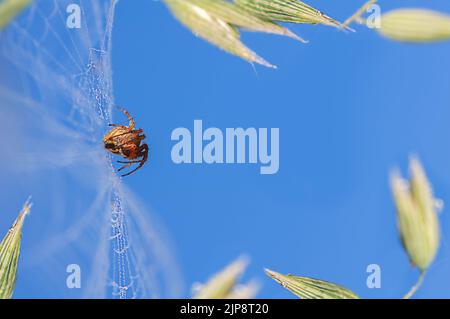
350,107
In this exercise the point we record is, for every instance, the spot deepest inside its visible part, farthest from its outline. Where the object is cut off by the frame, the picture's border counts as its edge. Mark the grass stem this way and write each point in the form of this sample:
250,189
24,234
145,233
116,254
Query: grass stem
414,288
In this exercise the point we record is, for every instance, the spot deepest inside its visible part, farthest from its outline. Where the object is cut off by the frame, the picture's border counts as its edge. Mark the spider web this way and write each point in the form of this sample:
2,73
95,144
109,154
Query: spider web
56,98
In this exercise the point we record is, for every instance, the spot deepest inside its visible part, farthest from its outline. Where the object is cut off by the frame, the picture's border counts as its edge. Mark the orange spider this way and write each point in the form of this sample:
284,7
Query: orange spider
127,142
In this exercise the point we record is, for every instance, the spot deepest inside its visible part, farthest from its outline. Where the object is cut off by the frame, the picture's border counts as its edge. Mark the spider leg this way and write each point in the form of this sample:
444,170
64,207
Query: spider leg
131,172
143,150
117,125
144,153
125,166
126,162
132,123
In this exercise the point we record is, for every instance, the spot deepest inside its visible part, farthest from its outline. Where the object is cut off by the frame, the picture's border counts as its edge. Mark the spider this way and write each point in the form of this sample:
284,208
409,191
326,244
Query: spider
127,142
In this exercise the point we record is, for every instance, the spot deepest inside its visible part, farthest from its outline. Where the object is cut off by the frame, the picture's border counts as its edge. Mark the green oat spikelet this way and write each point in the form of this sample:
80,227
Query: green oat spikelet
236,16
223,284
416,215
219,23
415,25
9,9
294,11
214,30
9,254
308,288
244,291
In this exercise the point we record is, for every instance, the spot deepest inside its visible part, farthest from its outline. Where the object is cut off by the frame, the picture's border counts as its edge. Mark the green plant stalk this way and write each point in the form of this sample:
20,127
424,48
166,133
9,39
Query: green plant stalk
416,286
9,9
